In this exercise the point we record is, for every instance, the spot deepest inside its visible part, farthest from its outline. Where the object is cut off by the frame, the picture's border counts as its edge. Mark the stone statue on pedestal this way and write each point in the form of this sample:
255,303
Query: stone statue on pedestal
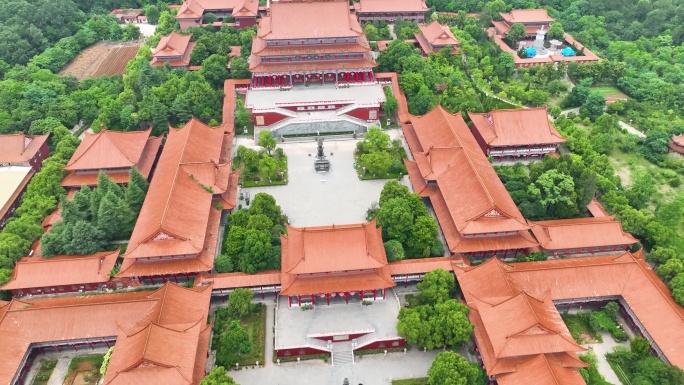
321,164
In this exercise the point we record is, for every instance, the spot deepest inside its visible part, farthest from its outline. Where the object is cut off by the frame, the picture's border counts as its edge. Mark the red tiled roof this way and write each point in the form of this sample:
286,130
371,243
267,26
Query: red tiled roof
235,280
109,149
23,322
596,209
38,272
678,139
259,47
526,16
436,34
175,216
19,148
194,9
422,265
463,174
580,233
144,166
402,111
229,100
385,6
257,65
173,45
309,19
518,127
627,276
333,258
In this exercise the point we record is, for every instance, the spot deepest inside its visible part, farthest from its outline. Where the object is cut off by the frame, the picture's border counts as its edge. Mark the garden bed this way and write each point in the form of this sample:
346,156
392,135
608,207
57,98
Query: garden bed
578,325
84,370
411,381
45,371
255,325
261,169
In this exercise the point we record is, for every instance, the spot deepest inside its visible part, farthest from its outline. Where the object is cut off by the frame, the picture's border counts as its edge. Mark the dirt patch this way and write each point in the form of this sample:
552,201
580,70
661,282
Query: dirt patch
103,58
587,338
85,373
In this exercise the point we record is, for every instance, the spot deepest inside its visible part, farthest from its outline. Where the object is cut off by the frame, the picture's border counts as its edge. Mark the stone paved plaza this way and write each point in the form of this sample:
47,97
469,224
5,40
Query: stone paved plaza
293,325
319,199
368,370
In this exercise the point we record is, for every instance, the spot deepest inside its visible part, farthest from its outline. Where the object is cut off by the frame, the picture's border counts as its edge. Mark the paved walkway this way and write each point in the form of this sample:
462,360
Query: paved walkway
270,324
631,129
60,372
600,349
368,370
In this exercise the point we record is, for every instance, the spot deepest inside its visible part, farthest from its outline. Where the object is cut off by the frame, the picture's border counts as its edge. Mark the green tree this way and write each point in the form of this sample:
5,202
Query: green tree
152,13
239,68
371,32
450,323
437,286
394,250
393,189
257,252
655,146
677,287
5,275
218,376
450,368
267,141
136,190
611,309
579,94
515,34
396,219
594,104
131,32
376,163
375,140
640,347
209,18
671,269
642,189
234,341
552,188
423,234
240,302
114,217
391,103
215,69
265,204
556,31
234,241
223,264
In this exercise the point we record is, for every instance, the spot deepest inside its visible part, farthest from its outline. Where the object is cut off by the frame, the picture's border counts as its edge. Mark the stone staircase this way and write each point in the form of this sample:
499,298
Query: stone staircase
342,357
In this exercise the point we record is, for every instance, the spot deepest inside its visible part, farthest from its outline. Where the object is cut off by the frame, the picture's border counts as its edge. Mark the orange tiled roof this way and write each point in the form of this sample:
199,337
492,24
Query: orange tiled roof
38,272
173,45
17,148
228,116
518,127
175,217
22,323
580,233
235,280
385,6
144,166
526,16
333,258
257,65
437,34
259,47
109,149
463,174
309,19
596,209
194,9
422,265
627,276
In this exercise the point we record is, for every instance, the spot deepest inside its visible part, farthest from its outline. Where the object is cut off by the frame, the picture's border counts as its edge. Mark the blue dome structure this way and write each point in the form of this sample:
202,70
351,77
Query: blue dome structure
530,52
567,51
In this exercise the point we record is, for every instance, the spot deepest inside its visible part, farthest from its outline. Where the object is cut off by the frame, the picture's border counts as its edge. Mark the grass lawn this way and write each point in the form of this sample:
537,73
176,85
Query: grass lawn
46,369
255,324
580,329
611,93
411,381
365,175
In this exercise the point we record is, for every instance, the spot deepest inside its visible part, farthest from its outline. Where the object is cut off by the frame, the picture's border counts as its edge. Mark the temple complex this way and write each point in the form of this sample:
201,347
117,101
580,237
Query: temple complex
434,37
449,169
175,50
318,53
176,233
532,19
77,273
391,10
161,336
113,153
519,334
239,13
519,135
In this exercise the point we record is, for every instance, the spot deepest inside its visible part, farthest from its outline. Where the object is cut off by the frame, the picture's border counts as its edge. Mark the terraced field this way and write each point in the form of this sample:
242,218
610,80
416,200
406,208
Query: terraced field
100,59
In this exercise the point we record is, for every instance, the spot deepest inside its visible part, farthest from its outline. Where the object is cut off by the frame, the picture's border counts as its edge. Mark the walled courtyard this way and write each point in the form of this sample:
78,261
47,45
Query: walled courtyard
319,199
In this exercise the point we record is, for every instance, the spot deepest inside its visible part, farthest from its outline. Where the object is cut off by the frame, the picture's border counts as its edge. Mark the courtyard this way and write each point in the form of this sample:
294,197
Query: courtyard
318,199
296,327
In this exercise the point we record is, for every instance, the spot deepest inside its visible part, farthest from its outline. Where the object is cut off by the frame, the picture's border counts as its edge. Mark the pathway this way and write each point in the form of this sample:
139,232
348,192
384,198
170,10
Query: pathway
392,34
60,371
600,349
631,129
270,324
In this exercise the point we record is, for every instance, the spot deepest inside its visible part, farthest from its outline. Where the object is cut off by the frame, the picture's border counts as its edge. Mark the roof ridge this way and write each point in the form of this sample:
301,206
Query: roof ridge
668,298
548,365
33,307
114,142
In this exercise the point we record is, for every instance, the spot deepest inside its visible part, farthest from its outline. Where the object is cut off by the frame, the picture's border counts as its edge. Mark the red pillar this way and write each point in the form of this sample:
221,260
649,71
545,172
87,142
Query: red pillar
175,279
327,298
299,300
346,296
384,293
289,301
406,282
313,299
348,75
356,77
361,293
505,253
280,81
375,294
262,292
